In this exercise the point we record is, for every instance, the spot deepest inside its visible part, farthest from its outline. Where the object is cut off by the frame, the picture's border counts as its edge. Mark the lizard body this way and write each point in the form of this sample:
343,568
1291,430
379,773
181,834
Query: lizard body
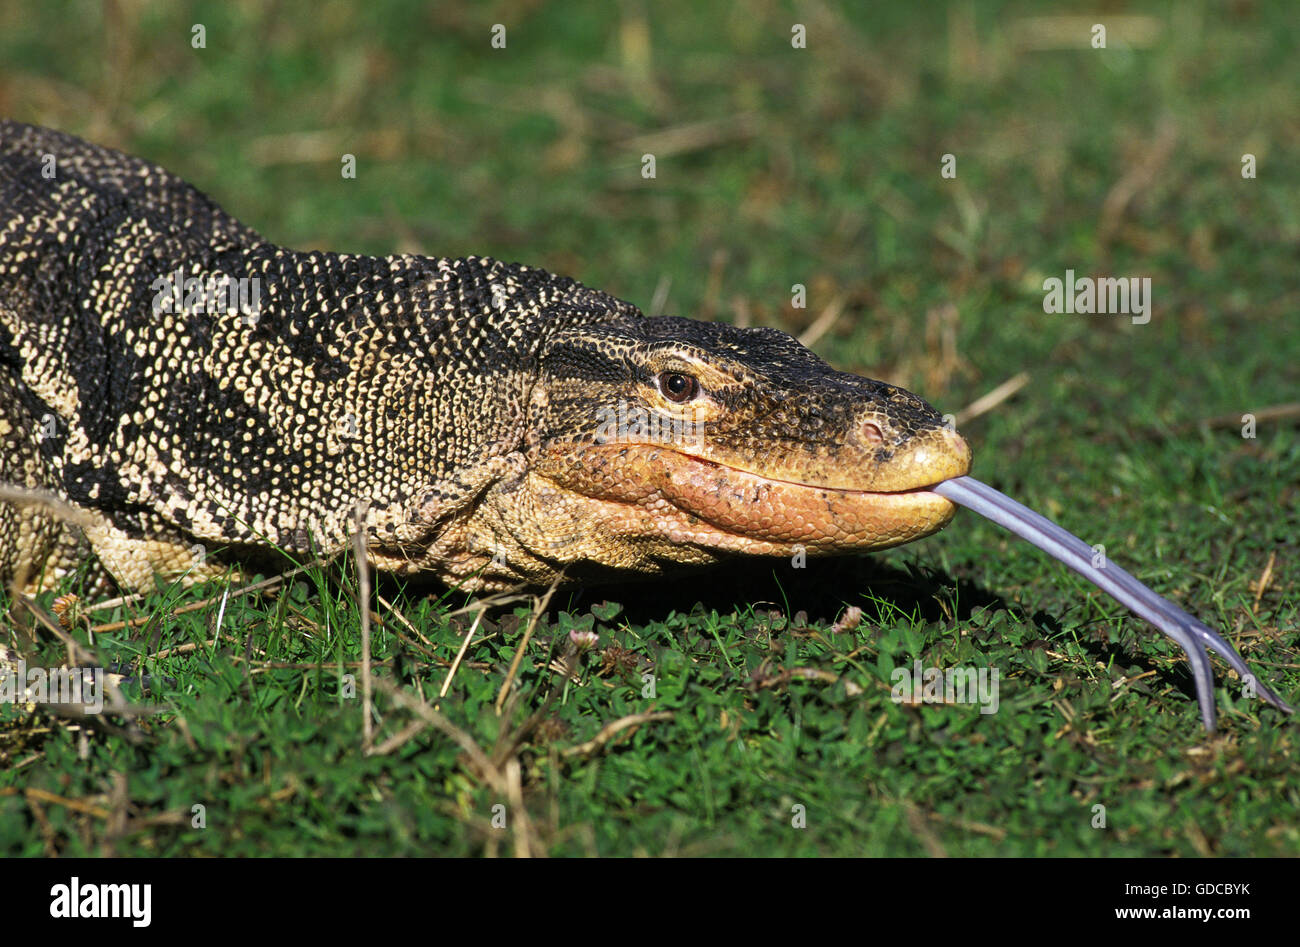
205,397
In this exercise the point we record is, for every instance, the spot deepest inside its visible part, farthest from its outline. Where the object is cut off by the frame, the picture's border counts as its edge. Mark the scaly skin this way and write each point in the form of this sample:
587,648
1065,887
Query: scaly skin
486,423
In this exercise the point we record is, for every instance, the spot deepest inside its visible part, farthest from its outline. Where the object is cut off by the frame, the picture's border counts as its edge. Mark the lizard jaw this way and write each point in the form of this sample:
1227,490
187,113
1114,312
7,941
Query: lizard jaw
650,491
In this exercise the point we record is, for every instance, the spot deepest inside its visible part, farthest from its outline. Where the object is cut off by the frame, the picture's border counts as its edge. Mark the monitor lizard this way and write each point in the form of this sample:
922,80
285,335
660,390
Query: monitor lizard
487,423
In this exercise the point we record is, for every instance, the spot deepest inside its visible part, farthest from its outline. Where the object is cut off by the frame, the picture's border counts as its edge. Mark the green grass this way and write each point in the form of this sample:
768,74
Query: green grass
816,166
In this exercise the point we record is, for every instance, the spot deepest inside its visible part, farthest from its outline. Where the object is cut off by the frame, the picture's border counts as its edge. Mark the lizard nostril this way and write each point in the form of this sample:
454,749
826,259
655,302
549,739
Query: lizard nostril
871,433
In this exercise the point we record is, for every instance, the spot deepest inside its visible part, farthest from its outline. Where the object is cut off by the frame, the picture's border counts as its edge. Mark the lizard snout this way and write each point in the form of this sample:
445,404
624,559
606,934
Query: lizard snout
918,459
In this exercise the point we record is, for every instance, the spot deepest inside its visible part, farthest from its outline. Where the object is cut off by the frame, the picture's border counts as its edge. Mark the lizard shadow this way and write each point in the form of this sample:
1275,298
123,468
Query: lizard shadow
823,590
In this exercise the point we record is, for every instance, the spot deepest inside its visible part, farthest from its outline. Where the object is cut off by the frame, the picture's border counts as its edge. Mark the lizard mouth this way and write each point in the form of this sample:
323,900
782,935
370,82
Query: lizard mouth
926,488
787,512
655,490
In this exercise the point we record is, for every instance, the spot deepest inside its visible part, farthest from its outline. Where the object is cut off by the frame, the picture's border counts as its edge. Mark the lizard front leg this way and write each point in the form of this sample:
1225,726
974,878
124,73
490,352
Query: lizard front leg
135,556
37,546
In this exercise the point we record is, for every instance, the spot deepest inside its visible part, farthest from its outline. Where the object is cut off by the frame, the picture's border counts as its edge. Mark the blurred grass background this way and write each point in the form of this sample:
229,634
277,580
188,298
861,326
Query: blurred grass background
821,166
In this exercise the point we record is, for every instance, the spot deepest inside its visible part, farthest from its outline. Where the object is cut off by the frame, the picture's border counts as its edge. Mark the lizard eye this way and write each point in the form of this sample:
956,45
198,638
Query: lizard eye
677,387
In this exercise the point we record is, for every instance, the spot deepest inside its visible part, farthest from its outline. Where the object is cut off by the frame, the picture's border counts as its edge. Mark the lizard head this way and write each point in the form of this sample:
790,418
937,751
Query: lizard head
658,441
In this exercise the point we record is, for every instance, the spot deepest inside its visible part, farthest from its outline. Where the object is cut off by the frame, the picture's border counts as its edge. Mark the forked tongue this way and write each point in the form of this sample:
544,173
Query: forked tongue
1190,634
